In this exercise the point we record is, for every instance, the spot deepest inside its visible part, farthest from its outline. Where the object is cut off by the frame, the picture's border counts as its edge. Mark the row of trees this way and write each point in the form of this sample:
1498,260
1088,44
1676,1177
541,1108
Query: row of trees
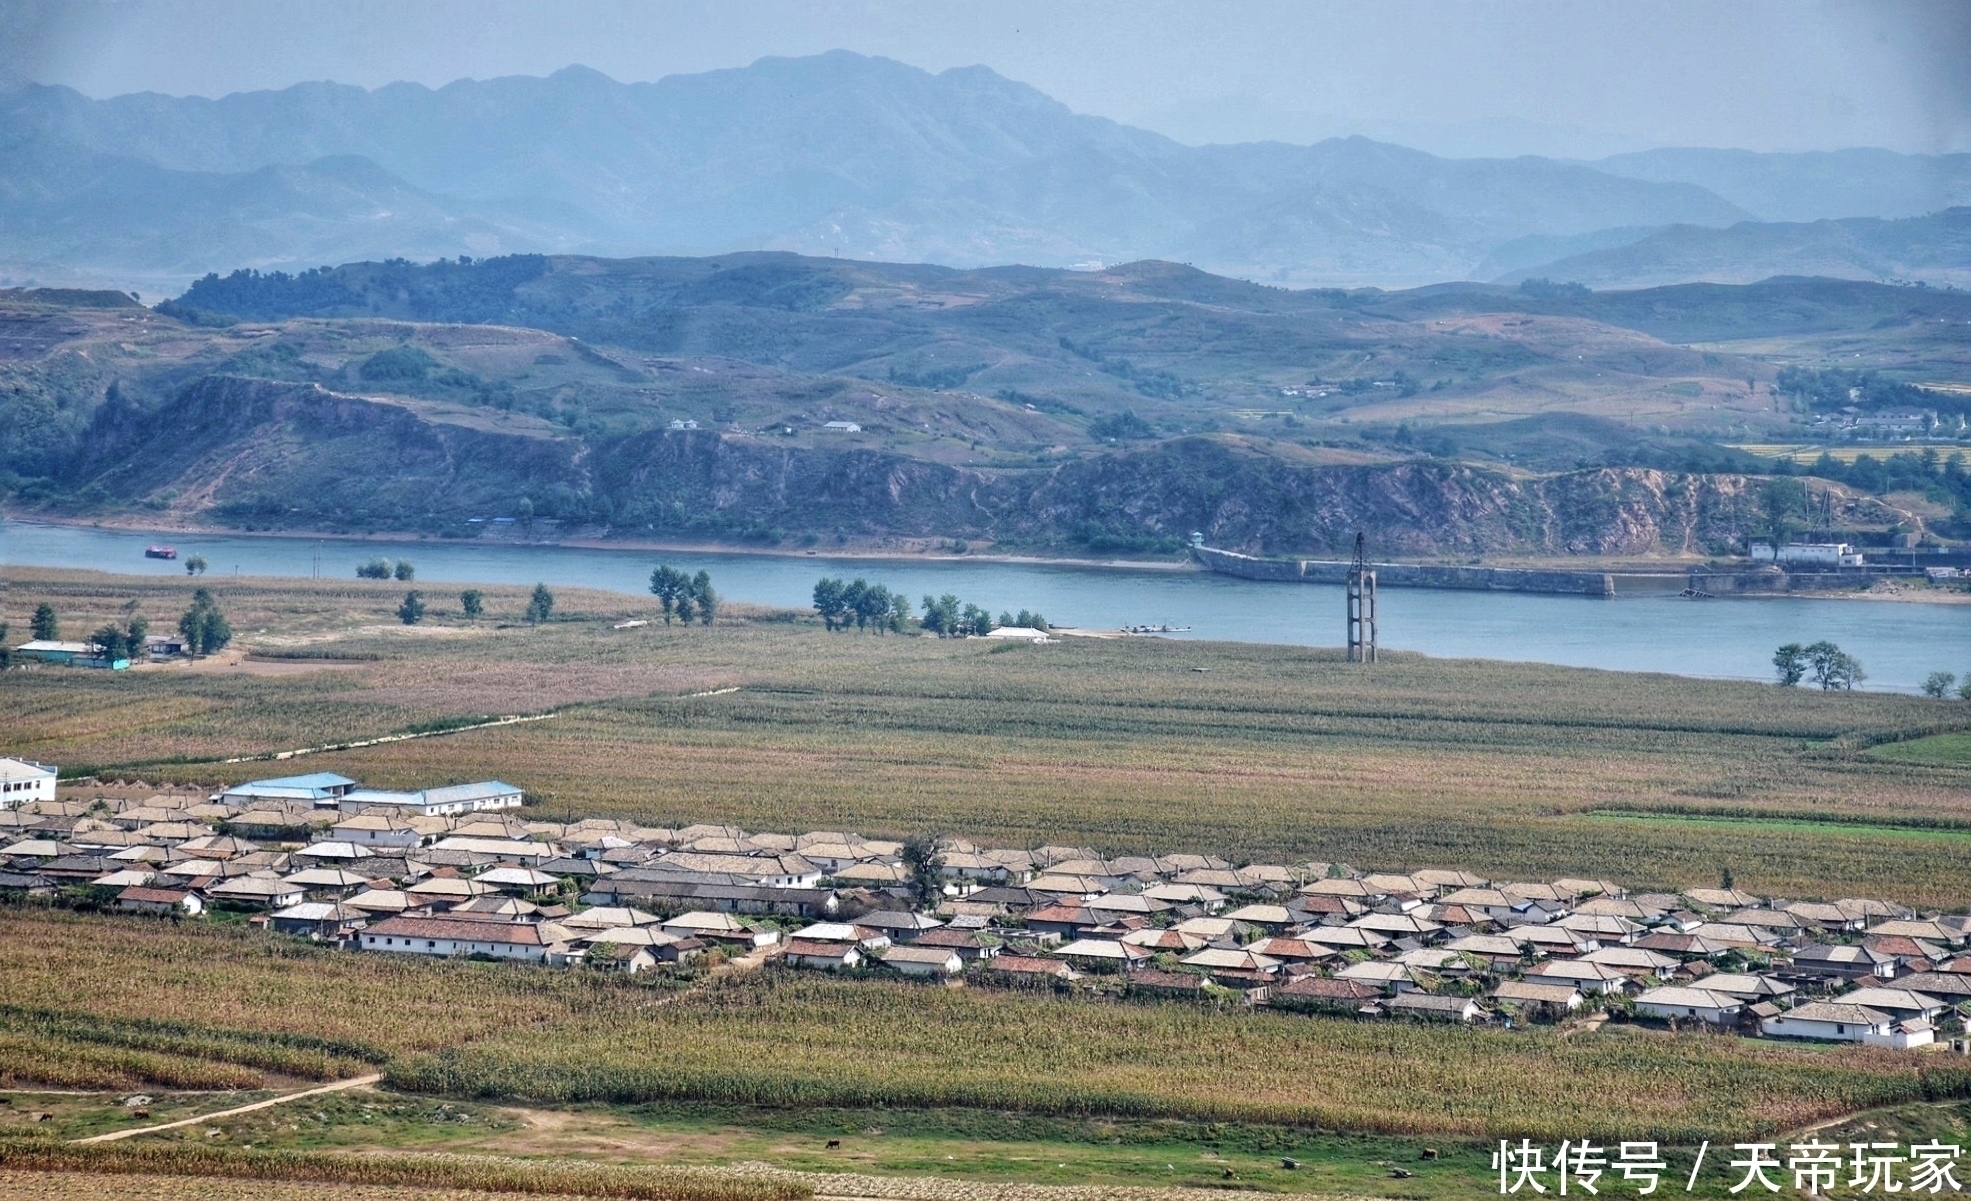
863,604
943,617
115,642
472,603
203,627
869,606
684,595
383,569
1831,667
1938,684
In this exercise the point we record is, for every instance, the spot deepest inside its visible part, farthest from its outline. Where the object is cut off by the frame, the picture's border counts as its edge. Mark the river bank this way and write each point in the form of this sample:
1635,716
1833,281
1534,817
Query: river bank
1900,644
898,550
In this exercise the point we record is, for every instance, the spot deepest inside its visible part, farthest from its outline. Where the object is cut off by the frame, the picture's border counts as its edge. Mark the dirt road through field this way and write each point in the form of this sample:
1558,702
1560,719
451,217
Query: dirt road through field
284,1098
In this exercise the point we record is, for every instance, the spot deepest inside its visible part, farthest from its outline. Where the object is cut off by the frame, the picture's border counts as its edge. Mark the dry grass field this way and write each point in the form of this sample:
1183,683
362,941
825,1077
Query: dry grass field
1254,752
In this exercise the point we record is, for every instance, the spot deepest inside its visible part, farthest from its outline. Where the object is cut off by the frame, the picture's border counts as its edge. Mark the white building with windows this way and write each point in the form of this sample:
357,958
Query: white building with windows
23,781
449,801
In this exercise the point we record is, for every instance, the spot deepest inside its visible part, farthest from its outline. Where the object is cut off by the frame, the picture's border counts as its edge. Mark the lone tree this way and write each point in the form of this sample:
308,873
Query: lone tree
203,626
405,573
375,569
1937,684
668,585
1790,662
541,604
924,857
412,610
6,652
1781,505
195,565
1834,669
706,599
831,603
473,602
46,626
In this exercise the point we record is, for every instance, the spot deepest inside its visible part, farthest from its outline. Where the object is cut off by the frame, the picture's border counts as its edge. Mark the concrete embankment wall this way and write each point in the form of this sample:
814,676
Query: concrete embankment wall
1410,575
1760,581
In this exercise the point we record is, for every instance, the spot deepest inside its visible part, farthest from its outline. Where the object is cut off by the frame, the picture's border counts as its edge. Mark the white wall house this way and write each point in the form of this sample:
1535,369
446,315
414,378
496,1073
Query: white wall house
1685,1004
448,937
23,781
1832,1021
435,802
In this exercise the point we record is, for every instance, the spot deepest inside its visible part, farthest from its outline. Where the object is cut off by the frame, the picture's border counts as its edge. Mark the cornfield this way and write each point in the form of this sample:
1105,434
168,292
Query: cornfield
478,1173
793,1042
48,1046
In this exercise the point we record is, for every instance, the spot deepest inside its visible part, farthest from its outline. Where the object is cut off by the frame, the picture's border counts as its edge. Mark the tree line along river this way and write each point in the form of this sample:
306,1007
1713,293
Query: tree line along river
1898,643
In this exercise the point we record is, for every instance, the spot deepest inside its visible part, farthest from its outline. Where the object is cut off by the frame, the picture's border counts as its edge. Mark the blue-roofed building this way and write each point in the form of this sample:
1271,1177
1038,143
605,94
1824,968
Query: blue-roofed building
323,788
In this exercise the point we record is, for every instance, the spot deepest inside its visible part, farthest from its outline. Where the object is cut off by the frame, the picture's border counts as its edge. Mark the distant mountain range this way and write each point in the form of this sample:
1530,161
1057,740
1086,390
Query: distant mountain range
1935,248
844,155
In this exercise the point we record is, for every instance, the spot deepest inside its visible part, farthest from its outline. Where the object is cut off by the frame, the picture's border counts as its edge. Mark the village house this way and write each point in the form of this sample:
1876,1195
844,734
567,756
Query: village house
450,801
1537,999
815,953
319,921
1839,1021
164,902
1429,1008
1841,962
1672,1003
446,937
922,961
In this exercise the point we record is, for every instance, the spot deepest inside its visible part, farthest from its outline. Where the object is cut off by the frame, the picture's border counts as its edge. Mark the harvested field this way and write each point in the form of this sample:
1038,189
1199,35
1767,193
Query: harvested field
1273,753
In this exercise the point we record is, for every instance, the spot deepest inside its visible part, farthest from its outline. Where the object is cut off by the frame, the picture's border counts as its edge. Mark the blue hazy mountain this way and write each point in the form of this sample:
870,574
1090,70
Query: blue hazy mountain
1935,248
832,154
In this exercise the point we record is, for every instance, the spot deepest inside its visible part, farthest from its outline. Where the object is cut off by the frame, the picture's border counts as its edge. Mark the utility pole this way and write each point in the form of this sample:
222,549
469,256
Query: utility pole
1361,605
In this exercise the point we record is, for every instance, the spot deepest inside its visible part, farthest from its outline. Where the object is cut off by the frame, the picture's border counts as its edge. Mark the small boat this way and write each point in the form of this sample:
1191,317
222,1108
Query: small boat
160,552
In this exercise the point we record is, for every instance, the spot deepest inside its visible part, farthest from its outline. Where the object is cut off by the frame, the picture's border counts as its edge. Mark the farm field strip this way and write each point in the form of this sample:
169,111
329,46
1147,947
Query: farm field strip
508,1031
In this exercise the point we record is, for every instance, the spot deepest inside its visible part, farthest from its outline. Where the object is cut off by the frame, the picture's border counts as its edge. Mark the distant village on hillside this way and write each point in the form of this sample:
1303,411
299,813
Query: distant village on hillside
456,871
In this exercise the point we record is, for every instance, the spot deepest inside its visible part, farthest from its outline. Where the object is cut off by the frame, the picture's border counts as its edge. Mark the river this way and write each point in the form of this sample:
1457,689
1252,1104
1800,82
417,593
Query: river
1898,643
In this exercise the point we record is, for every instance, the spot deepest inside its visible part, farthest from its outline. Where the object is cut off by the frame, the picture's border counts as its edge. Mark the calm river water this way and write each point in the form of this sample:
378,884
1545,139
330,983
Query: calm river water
1898,644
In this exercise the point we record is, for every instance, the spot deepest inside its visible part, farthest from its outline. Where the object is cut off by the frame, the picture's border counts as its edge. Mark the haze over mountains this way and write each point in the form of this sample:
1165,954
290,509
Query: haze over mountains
840,154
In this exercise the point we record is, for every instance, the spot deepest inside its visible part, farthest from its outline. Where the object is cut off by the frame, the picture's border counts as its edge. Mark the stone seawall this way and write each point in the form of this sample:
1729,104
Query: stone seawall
1410,575
1772,581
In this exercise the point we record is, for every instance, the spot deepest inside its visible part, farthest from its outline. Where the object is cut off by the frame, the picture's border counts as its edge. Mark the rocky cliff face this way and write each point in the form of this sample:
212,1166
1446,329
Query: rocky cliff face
1245,501
262,454
272,455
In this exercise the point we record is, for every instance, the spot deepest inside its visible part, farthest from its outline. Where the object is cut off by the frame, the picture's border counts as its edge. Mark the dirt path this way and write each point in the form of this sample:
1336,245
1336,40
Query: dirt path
338,1086
276,756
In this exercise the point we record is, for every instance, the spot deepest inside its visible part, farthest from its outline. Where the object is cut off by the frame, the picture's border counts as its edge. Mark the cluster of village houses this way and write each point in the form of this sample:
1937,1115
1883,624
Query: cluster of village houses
456,871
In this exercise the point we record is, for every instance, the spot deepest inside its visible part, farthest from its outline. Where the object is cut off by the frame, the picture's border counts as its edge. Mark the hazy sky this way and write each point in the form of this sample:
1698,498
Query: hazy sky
1536,76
